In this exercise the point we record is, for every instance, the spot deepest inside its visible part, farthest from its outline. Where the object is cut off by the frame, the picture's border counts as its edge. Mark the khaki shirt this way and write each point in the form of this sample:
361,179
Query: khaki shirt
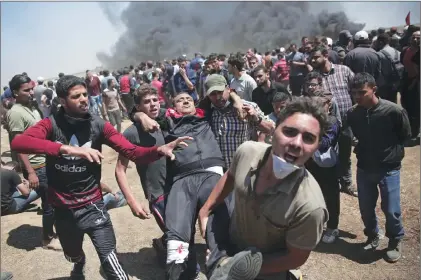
293,212
20,118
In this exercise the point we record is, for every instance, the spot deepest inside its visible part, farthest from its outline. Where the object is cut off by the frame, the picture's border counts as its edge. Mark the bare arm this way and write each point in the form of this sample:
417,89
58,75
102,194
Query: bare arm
24,188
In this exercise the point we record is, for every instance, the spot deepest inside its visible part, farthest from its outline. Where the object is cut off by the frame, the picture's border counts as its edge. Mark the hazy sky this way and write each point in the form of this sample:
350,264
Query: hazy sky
46,38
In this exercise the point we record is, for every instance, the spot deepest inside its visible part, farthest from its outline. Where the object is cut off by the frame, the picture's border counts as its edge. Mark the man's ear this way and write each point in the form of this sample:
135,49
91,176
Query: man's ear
374,89
62,102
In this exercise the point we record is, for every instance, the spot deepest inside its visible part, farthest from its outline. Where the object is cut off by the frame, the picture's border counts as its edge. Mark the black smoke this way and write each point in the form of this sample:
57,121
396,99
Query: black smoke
165,30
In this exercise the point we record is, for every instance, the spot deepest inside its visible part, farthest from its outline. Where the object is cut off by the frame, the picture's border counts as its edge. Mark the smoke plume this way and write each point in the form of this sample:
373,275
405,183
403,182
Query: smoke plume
165,30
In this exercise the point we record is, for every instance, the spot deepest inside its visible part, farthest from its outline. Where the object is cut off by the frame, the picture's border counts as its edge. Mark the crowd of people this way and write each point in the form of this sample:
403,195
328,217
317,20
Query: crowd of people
256,147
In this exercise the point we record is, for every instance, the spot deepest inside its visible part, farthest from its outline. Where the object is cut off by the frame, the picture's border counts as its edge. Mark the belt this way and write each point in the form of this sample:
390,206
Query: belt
38,166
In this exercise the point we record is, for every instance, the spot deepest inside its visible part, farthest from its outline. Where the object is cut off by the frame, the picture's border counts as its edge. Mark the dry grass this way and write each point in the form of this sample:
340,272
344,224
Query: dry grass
22,255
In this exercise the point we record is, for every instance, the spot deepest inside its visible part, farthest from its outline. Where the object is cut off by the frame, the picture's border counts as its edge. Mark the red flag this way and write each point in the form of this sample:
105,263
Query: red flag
408,18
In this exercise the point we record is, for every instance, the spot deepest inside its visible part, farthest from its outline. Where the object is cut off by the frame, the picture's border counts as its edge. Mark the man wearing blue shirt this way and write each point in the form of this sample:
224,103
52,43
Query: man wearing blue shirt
185,79
298,66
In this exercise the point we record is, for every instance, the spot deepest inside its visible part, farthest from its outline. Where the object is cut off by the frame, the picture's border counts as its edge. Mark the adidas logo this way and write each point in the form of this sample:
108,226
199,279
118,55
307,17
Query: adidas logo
74,142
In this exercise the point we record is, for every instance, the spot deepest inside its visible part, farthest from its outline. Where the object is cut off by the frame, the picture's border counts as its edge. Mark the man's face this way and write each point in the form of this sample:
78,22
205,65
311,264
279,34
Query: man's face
415,39
182,64
307,48
253,63
230,69
25,94
112,85
184,104
89,75
296,138
293,48
363,96
304,41
311,86
219,98
149,105
318,60
278,106
250,53
261,77
76,101
215,64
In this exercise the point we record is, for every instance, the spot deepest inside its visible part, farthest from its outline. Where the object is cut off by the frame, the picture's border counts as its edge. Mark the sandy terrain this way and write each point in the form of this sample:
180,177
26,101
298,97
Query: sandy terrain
21,238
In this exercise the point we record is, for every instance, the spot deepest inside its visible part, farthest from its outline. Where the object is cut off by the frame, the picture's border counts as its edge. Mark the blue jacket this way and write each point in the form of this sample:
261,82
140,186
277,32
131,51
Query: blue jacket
181,86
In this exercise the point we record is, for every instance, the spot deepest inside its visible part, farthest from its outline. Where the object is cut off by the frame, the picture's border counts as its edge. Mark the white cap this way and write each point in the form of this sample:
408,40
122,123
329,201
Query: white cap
361,35
329,41
40,79
282,49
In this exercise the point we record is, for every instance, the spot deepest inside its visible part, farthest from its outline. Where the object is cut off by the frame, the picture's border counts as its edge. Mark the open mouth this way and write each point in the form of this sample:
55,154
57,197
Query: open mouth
290,158
84,107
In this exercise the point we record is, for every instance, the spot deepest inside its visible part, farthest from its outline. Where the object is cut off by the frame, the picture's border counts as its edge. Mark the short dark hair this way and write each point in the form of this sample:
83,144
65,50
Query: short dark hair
305,105
281,96
314,75
60,74
144,90
109,81
212,57
237,61
362,79
50,83
65,83
260,67
383,38
106,73
320,48
155,74
17,81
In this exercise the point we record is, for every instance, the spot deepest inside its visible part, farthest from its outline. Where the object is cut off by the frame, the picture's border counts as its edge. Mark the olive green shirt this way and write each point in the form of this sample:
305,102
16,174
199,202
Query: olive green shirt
293,212
19,118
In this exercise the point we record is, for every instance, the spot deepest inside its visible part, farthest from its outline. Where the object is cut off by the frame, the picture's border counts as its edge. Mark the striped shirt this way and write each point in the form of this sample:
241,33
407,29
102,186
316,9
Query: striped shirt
337,82
230,131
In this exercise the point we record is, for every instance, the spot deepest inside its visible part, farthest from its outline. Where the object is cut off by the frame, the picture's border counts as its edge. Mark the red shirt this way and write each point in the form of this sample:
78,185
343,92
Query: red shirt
125,84
281,70
94,86
158,86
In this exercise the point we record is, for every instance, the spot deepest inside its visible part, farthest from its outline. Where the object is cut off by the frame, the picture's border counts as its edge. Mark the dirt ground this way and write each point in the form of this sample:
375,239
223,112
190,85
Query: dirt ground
21,238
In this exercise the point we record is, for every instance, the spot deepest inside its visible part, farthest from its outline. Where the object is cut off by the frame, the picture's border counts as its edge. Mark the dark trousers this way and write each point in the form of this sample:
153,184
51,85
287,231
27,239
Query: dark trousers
185,199
115,118
410,100
128,101
296,85
94,220
48,218
329,184
369,184
344,167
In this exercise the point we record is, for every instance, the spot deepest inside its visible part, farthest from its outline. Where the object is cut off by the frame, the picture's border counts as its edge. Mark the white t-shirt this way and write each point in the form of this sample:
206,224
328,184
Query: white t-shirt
244,86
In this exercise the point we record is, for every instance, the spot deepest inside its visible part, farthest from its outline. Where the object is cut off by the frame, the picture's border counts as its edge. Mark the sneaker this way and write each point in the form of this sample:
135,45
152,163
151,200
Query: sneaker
243,266
52,244
372,242
330,235
78,272
394,251
6,275
350,190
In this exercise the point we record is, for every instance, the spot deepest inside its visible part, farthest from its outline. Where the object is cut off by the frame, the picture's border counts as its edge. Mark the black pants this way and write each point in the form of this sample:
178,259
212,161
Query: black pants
329,184
48,218
128,101
410,100
94,220
344,173
296,85
185,199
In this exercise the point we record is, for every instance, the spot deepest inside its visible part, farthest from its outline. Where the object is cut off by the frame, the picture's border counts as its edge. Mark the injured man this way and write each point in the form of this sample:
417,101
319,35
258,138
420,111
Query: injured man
195,171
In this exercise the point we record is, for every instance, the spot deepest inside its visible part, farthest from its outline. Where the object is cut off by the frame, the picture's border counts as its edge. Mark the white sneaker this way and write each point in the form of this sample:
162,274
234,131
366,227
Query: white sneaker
330,235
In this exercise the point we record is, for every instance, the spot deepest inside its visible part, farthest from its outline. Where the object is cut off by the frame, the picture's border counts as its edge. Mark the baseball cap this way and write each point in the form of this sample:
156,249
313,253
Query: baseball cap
215,82
361,35
344,35
40,79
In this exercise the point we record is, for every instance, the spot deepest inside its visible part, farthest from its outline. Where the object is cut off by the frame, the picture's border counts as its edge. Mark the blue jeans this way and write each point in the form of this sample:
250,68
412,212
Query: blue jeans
388,183
95,103
111,202
48,211
21,201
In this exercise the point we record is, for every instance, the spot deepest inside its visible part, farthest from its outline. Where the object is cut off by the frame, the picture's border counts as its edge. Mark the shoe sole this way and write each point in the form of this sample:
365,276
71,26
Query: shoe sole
246,265
392,261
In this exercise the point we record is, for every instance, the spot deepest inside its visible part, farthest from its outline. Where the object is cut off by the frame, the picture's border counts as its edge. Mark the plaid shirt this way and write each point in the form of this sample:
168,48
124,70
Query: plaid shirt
230,131
337,82
281,70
